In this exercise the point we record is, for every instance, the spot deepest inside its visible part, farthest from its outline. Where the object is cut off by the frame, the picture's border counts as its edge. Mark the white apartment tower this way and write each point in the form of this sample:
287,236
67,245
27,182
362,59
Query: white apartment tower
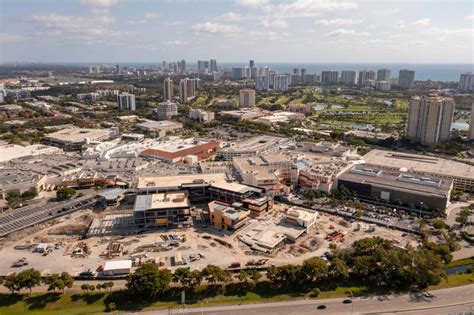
168,89
262,83
384,75
329,77
281,82
126,101
348,77
406,79
466,82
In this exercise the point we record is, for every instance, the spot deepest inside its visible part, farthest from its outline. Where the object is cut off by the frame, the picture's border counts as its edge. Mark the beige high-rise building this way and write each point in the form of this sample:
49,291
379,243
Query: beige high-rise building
168,89
471,124
187,90
429,119
247,98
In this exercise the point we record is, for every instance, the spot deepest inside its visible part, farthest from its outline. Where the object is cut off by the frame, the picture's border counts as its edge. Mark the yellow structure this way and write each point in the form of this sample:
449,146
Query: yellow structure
227,217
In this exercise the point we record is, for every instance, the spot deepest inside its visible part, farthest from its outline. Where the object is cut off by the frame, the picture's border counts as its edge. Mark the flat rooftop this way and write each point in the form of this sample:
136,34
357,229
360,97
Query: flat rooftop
215,180
256,144
176,181
176,144
228,210
78,134
161,201
258,163
153,124
419,163
235,187
13,151
395,179
117,264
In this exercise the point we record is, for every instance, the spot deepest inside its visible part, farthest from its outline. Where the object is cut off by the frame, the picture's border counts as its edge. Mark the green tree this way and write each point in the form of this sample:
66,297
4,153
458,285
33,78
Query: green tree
255,275
29,278
214,274
67,279
59,282
65,193
438,224
338,269
187,278
243,276
148,281
313,270
110,285
11,283
13,198
85,287
286,275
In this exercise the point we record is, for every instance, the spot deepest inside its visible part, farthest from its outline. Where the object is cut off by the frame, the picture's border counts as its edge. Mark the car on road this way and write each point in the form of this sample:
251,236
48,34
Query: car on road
321,307
428,295
347,301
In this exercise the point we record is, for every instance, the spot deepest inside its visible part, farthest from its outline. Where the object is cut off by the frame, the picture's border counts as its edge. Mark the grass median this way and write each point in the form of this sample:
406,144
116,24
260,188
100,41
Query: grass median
98,302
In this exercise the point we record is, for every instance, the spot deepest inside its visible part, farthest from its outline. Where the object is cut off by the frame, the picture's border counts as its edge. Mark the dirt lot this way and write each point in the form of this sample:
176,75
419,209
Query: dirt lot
206,241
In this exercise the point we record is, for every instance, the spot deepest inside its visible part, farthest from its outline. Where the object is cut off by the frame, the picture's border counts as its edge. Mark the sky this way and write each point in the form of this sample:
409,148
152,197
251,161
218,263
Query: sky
316,31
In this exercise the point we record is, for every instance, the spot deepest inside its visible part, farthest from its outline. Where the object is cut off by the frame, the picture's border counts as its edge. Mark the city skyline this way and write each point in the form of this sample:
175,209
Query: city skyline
269,30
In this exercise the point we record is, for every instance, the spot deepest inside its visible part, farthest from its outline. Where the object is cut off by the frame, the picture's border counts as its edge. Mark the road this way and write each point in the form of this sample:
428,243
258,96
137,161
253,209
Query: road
19,219
445,301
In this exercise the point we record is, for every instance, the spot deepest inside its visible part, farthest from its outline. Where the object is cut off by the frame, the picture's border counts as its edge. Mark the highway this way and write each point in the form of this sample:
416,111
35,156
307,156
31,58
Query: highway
445,301
19,219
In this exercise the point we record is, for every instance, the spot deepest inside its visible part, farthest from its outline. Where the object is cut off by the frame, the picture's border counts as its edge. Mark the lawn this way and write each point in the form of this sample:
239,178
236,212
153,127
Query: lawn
455,281
95,303
461,262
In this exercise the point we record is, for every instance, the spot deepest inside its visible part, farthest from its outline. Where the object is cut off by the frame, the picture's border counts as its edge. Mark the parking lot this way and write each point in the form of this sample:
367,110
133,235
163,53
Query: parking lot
18,219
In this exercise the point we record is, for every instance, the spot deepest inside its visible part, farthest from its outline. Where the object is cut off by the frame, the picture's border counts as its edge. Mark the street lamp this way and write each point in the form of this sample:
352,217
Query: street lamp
352,307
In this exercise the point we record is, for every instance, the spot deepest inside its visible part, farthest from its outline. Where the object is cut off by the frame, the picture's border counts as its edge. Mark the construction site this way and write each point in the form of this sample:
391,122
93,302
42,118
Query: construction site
271,239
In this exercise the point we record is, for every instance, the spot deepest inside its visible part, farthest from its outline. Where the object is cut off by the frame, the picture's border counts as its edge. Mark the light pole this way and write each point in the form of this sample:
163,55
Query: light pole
352,307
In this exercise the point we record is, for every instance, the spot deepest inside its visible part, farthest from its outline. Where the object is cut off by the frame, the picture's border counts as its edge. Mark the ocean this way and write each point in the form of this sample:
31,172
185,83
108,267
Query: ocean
434,72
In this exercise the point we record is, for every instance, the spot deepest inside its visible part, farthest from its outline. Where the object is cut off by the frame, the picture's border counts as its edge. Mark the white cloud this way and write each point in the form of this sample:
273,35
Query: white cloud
275,23
307,8
152,15
138,22
230,17
422,22
378,41
470,17
76,27
436,31
386,12
216,28
147,17
252,3
401,24
6,38
99,3
174,23
175,43
343,32
265,35
337,22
